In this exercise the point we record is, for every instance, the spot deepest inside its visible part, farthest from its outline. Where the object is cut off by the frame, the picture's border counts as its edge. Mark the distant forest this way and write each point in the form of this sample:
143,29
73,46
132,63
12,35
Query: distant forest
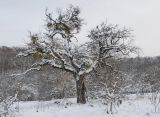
140,74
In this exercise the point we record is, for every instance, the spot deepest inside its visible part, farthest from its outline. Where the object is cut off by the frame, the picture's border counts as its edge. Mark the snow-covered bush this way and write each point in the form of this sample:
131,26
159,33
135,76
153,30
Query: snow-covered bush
5,105
109,85
155,101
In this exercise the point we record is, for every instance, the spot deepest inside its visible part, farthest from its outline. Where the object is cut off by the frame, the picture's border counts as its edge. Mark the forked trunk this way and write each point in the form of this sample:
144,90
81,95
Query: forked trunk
81,90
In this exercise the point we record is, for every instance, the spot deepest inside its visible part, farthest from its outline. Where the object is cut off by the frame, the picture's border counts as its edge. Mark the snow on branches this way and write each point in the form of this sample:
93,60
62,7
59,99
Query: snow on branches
109,41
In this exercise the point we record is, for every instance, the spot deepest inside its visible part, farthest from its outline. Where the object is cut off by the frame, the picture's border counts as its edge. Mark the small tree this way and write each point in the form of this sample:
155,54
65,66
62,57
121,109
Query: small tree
155,100
55,46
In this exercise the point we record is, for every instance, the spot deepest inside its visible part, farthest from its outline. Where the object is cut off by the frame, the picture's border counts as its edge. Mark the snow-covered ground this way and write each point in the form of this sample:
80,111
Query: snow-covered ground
132,107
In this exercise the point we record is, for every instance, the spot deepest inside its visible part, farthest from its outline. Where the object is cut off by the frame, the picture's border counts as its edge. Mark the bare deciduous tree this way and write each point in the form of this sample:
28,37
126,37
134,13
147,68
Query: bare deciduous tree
55,46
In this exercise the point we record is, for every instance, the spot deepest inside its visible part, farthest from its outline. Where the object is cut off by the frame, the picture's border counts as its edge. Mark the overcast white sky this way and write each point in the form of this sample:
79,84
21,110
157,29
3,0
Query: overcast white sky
17,17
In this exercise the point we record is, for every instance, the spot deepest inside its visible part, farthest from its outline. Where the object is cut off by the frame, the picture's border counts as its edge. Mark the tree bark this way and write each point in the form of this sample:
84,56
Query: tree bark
81,90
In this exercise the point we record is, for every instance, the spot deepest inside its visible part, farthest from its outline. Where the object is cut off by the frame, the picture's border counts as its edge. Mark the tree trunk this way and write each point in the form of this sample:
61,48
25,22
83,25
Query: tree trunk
81,90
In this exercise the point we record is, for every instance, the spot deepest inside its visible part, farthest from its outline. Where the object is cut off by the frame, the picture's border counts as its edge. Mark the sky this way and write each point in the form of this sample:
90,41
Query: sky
18,17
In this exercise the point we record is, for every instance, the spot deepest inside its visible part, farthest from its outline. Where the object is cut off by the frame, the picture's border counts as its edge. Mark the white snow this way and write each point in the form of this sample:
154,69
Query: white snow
132,107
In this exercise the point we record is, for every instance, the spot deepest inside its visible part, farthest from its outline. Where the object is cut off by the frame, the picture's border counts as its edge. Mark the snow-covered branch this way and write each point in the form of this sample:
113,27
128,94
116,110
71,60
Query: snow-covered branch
27,71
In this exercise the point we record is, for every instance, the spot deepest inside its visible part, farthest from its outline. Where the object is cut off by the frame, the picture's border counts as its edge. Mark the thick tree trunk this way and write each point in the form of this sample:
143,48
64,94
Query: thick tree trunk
81,90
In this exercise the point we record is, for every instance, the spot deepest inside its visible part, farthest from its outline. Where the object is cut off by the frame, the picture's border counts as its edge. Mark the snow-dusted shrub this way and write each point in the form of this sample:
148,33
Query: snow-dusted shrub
5,105
108,85
155,101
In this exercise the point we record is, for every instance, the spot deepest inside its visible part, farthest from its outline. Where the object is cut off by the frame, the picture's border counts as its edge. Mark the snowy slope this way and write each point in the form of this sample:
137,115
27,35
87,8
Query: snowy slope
138,107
